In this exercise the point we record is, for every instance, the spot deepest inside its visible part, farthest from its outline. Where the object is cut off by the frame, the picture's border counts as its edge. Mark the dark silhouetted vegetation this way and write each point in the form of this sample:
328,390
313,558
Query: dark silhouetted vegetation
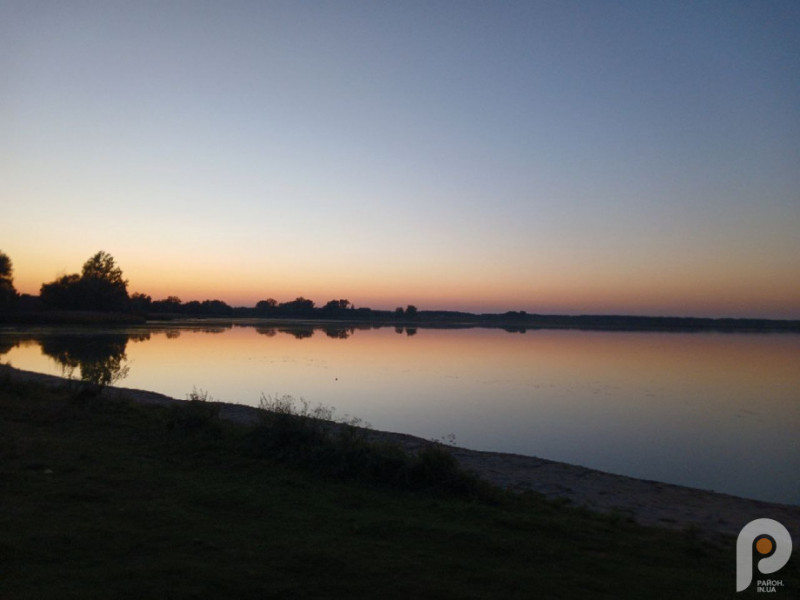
99,287
198,414
64,292
299,307
99,296
141,303
312,438
337,307
8,295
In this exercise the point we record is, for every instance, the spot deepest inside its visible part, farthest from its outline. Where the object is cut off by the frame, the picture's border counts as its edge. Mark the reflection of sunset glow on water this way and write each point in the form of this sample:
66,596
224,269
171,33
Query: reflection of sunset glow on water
679,407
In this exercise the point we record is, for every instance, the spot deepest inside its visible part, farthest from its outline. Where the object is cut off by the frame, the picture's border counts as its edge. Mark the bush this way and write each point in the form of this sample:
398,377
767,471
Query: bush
291,430
198,413
435,467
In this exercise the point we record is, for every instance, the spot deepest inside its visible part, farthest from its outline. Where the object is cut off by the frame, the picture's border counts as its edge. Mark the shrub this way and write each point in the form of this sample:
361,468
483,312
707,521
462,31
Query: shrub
310,437
199,413
291,428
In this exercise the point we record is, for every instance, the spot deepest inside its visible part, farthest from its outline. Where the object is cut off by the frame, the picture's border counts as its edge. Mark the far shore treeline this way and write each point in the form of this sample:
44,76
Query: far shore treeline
101,287
99,294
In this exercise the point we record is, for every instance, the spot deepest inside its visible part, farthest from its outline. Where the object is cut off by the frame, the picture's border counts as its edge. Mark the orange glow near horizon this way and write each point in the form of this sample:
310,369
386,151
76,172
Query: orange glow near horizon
545,297
724,292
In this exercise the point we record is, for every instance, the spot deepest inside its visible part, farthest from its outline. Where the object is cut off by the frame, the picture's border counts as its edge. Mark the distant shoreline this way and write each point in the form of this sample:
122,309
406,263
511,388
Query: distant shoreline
514,322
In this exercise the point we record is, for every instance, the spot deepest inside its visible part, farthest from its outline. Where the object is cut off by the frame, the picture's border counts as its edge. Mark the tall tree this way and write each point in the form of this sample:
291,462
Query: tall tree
101,266
6,268
8,295
103,287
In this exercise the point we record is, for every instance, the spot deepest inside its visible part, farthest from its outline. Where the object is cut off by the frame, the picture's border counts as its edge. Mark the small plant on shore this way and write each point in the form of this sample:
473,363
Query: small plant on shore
435,467
289,405
288,425
293,430
446,440
199,412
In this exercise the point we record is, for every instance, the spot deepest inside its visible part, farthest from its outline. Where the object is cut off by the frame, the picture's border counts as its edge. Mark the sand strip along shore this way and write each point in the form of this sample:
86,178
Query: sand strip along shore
646,502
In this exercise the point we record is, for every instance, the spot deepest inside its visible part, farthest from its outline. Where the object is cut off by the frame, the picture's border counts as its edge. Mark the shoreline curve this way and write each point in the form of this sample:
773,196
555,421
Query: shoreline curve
644,501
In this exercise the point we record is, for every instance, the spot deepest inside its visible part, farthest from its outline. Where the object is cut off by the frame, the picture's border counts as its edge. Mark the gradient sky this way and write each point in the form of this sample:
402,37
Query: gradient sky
576,157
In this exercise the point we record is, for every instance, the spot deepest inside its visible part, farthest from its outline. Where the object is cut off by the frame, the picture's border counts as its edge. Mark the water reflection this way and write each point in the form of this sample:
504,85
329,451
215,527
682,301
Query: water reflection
339,333
100,360
299,333
685,408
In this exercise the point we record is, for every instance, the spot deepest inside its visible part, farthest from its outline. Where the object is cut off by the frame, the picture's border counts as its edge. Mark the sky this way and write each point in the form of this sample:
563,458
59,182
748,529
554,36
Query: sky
554,157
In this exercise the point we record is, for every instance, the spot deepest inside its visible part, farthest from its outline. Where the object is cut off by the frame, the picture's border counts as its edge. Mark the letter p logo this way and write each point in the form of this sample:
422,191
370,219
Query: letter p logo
772,541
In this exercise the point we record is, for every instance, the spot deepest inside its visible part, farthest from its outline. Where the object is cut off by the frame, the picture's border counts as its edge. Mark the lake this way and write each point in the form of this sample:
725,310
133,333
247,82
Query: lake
716,411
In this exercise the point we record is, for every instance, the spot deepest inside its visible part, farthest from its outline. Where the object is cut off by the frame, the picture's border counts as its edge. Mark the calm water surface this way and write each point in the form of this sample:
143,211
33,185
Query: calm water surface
715,411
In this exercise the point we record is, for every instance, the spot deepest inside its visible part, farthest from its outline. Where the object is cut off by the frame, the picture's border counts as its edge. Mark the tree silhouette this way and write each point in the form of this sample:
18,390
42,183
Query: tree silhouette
298,306
141,303
101,266
266,307
64,292
6,269
214,308
336,307
8,295
99,287
103,285
171,304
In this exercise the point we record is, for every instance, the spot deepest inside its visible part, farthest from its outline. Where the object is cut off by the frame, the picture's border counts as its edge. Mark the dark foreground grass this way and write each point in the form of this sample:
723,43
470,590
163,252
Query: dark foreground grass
105,499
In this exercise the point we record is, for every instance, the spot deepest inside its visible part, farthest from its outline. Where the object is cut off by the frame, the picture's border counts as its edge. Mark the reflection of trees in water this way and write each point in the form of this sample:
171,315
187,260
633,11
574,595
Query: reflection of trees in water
409,330
222,329
100,358
302,332
7,344
144,336
339,333
299,332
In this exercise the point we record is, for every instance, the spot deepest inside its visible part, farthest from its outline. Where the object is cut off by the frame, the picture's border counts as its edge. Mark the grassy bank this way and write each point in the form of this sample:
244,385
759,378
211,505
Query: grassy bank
109,499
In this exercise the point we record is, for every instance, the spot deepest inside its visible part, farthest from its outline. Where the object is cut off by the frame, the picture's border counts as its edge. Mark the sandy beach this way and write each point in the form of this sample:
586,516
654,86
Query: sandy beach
646,502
